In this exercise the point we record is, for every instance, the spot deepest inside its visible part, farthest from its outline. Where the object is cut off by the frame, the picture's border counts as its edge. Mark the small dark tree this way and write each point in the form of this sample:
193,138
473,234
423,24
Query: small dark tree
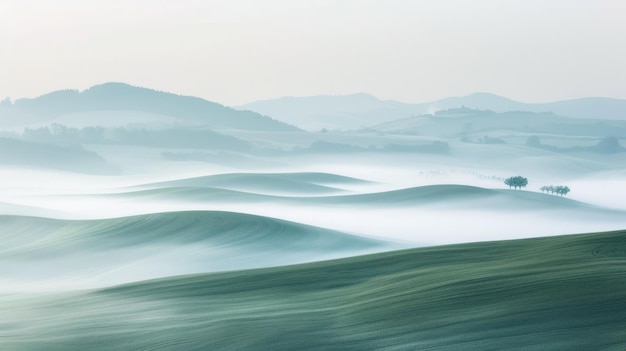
562,190
522,182
565,190
517,182
510,182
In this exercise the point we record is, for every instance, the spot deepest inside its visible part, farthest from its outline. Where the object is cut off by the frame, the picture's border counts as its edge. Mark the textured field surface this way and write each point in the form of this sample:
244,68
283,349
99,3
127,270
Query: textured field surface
38,253
556,293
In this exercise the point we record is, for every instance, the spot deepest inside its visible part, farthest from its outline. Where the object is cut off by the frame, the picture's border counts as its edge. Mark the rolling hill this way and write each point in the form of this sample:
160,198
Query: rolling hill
267,183
450,196
558,293
435,214
41,252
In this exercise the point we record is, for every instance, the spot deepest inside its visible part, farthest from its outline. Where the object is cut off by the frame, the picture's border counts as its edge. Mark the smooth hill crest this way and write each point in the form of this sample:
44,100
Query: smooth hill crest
448,195
102,252
303,183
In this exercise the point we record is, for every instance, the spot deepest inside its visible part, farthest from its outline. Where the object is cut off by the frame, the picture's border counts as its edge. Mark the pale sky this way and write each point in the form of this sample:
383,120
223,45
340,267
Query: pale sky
238,51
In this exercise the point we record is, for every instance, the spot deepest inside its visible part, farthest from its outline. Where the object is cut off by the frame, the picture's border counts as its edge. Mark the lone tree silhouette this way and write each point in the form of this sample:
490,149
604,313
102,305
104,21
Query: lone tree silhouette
517,182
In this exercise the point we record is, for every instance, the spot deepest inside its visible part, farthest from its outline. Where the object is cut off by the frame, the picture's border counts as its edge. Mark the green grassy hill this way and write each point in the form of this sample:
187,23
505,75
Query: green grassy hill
42,253
557,293
298,183
447,195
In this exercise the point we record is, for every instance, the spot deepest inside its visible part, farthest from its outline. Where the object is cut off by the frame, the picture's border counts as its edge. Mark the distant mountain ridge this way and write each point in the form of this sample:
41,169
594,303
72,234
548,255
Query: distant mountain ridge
332,112
587,107
363,110
121,96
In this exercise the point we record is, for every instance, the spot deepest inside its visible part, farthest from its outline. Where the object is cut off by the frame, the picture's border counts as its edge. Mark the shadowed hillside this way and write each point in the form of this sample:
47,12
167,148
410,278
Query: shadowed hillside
37,251
559,293
32,154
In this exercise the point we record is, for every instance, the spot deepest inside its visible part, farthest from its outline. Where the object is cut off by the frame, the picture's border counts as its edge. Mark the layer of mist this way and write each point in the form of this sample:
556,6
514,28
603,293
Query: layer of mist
121,185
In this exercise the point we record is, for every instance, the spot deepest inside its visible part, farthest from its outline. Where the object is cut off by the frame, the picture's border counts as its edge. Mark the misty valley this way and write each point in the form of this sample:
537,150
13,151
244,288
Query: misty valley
136,219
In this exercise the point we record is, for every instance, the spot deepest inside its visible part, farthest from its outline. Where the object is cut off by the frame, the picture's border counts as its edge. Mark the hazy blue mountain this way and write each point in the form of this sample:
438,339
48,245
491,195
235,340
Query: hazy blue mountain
360,110
332,111
124,97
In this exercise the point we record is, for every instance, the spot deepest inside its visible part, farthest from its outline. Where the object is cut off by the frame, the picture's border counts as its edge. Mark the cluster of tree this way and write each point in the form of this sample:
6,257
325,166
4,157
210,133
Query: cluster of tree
435,147
517,182
559,189
173,137
59,133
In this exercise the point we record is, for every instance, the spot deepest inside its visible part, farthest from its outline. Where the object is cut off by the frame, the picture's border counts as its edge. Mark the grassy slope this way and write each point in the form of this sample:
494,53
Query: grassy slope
219,227
119,250
557,293
449,195
453,194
